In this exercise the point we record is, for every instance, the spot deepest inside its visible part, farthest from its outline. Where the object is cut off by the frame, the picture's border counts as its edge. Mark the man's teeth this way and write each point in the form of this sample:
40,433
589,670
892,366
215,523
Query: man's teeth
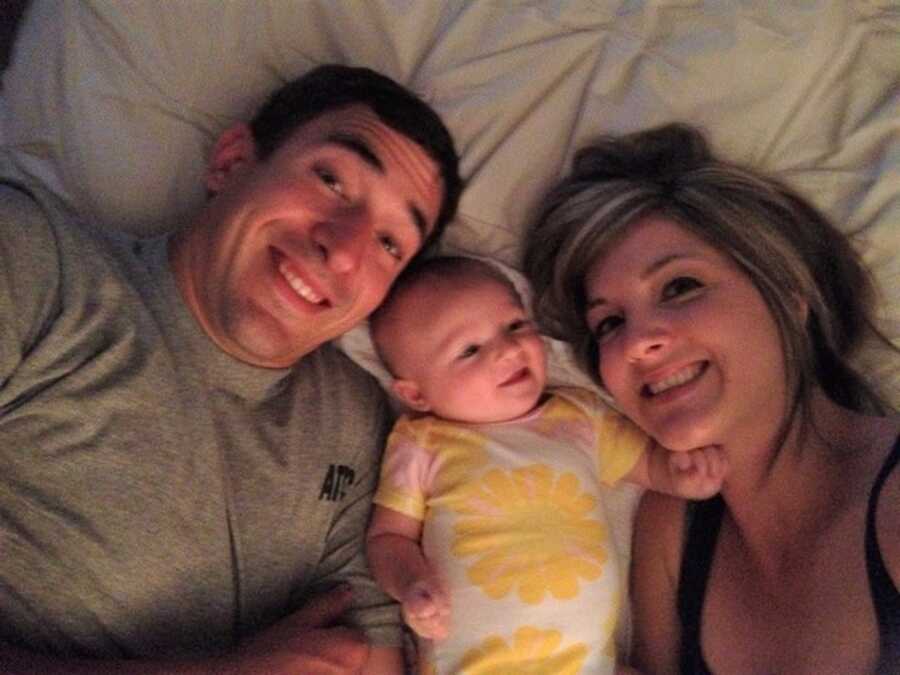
675,379
297,284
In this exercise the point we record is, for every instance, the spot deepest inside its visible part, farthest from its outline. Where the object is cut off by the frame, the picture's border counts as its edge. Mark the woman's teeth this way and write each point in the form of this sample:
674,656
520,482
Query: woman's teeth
675,379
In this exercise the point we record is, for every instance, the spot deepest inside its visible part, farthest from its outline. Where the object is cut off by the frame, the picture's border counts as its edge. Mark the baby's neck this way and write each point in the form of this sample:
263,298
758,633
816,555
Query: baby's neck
504,420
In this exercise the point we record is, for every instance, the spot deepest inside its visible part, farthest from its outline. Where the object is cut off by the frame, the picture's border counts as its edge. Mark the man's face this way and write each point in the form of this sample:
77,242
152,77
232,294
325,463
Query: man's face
302,246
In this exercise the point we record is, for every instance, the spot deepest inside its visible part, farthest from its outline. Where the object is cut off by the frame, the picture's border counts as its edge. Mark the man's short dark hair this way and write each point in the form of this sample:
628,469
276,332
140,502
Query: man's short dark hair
334,86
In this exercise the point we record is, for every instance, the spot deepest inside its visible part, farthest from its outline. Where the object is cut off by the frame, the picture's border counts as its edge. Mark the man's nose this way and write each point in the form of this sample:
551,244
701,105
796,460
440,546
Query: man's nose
342,239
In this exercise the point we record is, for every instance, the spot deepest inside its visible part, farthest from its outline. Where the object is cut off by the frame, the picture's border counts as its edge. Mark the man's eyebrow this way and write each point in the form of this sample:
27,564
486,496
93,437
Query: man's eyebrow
361,149
420,221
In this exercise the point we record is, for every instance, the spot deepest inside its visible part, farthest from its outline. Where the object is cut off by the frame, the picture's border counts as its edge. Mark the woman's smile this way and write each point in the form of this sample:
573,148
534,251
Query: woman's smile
677,379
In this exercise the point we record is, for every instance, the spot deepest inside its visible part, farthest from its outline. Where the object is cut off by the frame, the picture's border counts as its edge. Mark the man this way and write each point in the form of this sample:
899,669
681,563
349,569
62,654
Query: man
185,464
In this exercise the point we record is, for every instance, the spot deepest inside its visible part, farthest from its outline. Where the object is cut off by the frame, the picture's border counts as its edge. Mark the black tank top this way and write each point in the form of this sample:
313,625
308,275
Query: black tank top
703,522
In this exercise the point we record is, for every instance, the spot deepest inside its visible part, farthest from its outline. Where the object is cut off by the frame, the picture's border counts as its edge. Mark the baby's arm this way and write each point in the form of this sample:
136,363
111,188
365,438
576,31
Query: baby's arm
690,474
400,568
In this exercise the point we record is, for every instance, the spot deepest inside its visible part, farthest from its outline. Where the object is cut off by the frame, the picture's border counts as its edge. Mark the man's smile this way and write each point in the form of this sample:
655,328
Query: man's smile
301,287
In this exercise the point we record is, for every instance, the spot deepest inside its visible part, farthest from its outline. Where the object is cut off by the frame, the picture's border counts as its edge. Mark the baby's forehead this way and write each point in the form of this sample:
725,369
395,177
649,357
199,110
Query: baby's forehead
433,300
463,282
423,295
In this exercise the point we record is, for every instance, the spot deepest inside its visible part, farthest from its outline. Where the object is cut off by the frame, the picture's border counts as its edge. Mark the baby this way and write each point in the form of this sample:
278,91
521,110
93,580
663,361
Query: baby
489,497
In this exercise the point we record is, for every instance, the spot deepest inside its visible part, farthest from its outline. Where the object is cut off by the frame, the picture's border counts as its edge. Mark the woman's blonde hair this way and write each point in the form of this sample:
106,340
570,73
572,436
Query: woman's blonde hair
786,247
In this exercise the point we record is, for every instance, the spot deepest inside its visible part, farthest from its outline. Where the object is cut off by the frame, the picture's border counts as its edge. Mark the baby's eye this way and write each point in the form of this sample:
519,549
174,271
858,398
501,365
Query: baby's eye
469,351
518,325
606,326
389,244
329,179
679,286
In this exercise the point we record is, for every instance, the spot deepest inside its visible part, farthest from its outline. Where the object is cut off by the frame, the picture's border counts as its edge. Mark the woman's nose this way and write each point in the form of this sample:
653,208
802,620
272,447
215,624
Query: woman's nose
645,338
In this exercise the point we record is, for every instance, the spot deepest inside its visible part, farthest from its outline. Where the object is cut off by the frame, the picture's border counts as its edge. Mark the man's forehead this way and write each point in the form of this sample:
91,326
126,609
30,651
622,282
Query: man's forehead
358,129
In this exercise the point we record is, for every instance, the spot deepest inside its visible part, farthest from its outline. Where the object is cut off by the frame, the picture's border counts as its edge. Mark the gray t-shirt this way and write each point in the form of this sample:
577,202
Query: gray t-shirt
156,495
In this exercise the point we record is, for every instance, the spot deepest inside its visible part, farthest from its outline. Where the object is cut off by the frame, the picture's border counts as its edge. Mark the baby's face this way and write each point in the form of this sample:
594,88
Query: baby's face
471,351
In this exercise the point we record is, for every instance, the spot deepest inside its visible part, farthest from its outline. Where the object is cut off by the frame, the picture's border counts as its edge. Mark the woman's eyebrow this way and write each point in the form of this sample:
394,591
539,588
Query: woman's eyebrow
646,273
658,264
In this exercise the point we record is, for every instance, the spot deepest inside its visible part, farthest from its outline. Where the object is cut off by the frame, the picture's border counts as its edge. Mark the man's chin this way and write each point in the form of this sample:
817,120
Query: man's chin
263,349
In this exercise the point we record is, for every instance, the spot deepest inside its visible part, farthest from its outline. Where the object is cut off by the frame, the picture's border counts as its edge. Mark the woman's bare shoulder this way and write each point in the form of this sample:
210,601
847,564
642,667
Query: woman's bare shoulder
887,516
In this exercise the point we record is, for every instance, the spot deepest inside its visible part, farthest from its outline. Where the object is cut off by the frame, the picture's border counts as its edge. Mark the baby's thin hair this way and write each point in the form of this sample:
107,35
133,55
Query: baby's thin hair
431,271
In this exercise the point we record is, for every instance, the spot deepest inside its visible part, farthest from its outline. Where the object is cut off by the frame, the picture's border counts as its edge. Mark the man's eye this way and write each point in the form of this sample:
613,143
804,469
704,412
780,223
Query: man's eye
469,351
330,180
679,286
606,326
390,245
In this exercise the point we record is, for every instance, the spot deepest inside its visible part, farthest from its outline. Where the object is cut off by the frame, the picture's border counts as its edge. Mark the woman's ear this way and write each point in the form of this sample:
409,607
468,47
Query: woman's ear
234,150
410,394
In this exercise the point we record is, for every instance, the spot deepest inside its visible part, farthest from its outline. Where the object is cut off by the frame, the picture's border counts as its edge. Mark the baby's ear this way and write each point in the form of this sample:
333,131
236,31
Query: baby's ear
410,394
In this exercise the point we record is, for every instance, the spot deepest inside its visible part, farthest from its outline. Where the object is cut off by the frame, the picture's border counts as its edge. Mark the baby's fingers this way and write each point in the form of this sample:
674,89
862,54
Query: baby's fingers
432,623
426,609
716,462
433,628
420,603
691,462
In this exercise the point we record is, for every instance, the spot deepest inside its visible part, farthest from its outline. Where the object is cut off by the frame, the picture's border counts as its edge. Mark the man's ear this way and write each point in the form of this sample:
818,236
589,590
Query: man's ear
234,150
410,394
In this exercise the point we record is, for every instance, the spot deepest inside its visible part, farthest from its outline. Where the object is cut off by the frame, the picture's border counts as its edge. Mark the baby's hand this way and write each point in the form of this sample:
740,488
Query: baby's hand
698,474
426,608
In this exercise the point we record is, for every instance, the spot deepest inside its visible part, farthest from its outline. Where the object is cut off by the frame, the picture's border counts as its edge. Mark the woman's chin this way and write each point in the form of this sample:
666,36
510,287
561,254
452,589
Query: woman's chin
683,437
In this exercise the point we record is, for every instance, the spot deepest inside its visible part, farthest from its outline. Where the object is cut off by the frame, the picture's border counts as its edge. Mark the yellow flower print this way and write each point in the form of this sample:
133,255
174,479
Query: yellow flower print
610,622
532,533
419,451
532,652
462,453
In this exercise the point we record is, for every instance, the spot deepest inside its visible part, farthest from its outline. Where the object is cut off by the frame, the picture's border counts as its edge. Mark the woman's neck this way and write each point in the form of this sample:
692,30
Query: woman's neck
785,494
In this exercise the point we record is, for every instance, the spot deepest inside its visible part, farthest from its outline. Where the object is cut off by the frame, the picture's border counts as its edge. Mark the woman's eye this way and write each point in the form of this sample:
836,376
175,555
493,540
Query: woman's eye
679,286
606,326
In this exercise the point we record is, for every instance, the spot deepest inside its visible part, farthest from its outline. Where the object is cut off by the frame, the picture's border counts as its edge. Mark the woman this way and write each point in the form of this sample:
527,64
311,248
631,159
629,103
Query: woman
718,307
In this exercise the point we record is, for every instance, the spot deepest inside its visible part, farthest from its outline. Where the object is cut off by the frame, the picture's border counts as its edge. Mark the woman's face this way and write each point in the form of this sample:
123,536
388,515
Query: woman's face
687,345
